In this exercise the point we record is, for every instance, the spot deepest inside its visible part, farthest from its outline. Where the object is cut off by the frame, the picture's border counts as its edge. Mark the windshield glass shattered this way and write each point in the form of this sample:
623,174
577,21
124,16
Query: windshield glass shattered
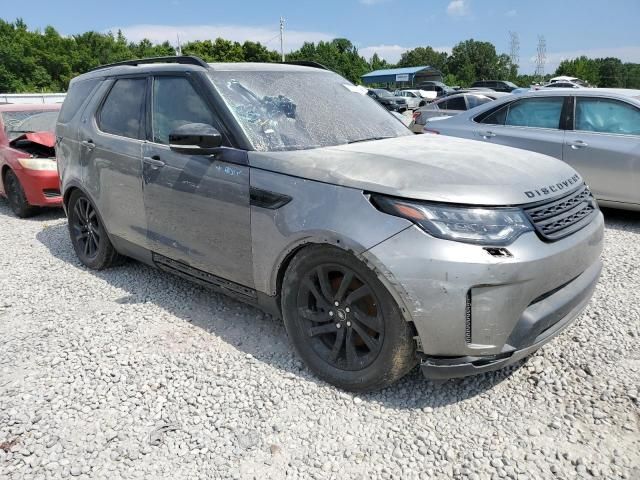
281,110
19,123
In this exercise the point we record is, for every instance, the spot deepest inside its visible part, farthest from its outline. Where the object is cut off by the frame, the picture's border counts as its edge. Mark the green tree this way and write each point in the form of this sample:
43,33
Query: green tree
424,56
582,67
472,60
339,55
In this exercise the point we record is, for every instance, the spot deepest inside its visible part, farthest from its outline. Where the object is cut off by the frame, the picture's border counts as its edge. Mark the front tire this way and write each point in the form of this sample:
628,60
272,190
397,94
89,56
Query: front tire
88,235
343,322
15,195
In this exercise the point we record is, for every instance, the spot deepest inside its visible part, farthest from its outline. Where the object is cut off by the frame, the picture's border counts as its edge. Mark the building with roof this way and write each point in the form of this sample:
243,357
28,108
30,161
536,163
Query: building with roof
402,77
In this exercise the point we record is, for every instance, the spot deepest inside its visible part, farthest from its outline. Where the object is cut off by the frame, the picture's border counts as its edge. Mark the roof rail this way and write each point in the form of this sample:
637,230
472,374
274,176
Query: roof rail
183,60
306,63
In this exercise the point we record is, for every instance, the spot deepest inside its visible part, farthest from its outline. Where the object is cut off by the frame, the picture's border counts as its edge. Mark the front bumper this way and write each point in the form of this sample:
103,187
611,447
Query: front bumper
41,187
537,325
474,311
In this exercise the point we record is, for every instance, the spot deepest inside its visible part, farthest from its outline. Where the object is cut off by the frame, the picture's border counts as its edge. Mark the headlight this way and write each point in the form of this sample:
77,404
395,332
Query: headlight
38,164
483,226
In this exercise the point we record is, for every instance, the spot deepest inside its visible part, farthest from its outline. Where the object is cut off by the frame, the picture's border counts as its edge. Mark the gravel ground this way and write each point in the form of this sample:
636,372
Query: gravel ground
132,373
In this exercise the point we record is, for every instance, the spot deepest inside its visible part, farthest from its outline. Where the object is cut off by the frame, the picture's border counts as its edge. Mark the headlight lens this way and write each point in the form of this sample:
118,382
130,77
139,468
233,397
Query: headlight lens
38,164
482,226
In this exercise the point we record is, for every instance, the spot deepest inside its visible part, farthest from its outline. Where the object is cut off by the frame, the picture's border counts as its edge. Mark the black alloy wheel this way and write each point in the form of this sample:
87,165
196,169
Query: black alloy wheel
343,322
88,235
86,228
339,312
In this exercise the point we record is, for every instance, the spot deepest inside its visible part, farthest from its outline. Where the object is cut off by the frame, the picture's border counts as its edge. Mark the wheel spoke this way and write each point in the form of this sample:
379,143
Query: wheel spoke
308,282
351,349
369,321
358,294
94,244
328,328
337,345
371,342
86,247
325,286
344,284
78,209
316,317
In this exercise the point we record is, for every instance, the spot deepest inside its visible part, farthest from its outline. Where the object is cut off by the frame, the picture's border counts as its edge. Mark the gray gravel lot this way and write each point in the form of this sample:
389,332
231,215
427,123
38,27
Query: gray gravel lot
132,373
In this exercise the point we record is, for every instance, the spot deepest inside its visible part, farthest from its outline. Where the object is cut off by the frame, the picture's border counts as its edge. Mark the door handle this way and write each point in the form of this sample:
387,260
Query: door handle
154,161
488,134
577,144
88,144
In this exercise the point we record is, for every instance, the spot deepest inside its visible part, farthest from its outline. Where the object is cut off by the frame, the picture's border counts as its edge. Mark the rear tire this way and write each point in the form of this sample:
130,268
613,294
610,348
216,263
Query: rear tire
88,235
351,334
15,195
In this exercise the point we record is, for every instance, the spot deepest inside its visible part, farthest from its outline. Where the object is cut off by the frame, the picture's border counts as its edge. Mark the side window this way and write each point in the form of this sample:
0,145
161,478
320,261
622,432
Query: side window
475,100
493,117
457,103
176,103
606,116
121,113
76,96
535,112
441,105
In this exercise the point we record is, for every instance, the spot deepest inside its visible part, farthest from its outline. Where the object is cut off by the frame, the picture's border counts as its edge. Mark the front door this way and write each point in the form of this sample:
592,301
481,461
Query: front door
197,206
605,148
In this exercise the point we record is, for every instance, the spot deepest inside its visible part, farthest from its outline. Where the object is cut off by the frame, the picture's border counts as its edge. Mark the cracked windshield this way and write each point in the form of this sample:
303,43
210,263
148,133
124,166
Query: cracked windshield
286,110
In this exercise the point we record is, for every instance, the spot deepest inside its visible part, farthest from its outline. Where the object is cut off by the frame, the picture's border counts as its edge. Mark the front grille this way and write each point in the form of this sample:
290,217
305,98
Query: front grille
51,193
557,219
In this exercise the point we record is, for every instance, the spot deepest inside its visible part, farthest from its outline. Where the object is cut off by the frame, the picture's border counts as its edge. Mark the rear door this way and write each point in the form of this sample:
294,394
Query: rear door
197,206
111,153
604,146
531,123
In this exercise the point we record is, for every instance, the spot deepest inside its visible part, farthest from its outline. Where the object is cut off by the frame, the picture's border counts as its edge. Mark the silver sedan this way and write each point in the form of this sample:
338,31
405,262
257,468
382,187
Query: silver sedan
595,130
452,105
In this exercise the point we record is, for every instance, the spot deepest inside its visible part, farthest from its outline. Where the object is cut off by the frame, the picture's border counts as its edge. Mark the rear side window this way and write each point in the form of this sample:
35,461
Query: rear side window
456,104
475,100
606,116
122,111
76,96
176,103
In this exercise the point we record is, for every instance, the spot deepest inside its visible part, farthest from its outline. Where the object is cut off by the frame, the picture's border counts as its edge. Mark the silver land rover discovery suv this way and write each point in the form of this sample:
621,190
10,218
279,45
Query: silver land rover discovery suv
285,186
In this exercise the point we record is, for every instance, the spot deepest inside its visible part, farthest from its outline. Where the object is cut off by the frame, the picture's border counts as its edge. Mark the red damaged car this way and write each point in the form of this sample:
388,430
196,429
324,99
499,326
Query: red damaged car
28,166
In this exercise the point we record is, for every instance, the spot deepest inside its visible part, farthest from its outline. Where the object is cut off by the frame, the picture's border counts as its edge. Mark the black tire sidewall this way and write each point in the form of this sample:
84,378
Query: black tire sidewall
101,260
397,355
16,197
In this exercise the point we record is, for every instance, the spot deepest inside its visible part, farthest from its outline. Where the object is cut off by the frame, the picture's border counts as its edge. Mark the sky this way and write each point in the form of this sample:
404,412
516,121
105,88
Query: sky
571,28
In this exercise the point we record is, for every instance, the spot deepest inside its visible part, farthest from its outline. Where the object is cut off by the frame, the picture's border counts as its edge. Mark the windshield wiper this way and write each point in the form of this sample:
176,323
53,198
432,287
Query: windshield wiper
367,140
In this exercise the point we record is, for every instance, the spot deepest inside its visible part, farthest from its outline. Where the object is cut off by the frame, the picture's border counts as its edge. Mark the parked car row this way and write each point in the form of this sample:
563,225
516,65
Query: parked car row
451,105
596,131
379,249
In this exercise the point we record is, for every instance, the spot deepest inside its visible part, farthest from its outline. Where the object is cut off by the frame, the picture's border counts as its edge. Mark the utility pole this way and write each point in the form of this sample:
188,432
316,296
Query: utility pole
282,37
179,48
541,58
514,48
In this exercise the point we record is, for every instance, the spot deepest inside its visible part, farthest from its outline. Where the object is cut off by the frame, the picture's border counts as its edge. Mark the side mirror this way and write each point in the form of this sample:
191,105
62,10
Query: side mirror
195,139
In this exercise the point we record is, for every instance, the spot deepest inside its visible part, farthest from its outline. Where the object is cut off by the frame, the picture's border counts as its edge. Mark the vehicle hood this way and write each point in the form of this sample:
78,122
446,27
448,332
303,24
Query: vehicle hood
46,139
430,167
